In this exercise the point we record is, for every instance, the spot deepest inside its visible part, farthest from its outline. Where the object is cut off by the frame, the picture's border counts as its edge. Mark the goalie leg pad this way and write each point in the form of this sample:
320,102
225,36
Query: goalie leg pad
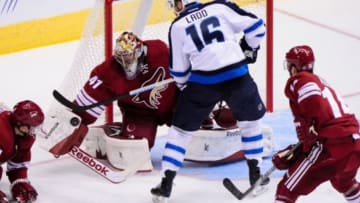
94,142
107,141
121,153
223,146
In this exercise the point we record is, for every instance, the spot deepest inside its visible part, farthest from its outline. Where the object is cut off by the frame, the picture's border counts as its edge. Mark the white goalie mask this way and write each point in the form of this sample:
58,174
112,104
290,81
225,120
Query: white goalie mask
128,50
178,5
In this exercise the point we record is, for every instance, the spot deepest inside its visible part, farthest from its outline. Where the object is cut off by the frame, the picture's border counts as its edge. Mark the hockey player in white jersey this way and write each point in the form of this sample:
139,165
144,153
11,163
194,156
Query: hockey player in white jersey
209,65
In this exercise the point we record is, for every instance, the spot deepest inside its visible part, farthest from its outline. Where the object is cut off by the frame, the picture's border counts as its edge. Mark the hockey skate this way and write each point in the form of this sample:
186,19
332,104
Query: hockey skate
161,192
254,175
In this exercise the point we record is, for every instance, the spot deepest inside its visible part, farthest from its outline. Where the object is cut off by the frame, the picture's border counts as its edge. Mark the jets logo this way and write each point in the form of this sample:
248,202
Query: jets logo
151,99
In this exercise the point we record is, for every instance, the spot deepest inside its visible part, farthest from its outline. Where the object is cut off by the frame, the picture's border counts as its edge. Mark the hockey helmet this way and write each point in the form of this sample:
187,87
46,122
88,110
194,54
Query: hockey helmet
302,57
27,113
174,4
128,50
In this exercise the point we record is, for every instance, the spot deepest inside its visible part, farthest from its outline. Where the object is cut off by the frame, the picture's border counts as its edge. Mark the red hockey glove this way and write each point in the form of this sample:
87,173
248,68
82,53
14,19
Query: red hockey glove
23,191
75,139
3,198
306,135
283,162
224,118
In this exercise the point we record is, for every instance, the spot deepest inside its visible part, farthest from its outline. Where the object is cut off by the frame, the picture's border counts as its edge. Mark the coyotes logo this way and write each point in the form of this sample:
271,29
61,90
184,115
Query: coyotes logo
151,100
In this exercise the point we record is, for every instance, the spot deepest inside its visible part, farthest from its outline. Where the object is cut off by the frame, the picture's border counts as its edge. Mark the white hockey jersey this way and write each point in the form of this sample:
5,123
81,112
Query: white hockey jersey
204,46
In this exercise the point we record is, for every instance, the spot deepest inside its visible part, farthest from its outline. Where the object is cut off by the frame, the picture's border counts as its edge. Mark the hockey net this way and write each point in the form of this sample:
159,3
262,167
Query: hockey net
150,19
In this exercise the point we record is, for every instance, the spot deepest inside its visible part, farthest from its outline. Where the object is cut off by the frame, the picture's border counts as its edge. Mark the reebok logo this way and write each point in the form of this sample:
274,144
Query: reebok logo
88,160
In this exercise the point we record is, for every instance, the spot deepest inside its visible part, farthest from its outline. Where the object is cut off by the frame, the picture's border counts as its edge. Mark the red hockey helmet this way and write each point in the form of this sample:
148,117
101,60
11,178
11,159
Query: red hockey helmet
302,57
27,113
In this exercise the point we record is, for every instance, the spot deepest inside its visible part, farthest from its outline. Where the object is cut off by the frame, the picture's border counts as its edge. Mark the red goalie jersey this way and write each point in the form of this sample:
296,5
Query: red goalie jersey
143,112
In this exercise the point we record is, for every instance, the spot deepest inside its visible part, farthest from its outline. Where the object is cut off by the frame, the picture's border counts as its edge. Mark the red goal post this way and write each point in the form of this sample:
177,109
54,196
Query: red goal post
150,19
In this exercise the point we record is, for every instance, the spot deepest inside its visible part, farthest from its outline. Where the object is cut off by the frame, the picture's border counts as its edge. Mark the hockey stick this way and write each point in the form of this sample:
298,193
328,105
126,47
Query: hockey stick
60,98
231,187
114,176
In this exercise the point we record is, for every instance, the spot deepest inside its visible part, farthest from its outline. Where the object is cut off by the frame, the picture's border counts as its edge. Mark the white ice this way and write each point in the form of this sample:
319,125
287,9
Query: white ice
331,27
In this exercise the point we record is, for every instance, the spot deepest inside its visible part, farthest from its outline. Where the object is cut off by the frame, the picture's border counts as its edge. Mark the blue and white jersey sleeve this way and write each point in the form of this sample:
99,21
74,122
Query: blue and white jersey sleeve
252,26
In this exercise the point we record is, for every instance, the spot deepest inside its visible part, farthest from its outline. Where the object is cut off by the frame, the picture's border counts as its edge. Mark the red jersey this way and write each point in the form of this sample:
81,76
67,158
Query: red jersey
313,100
15,150
108,79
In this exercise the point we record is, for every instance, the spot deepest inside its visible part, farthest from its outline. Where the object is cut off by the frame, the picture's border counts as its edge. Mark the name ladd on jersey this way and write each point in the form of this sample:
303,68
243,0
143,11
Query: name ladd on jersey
196,16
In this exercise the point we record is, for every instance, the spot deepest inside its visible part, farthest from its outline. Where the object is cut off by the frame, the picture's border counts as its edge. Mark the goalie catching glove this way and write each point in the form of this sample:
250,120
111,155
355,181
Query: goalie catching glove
249,52
61,131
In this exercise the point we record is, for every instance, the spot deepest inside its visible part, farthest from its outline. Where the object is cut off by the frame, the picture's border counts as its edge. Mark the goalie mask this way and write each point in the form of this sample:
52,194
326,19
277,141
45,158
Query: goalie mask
302,57
178,5
129,50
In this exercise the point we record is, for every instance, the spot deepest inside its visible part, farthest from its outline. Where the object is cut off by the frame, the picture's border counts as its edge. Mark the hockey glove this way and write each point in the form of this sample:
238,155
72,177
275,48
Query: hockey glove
224,118
306,135
22,191
283,162
249,52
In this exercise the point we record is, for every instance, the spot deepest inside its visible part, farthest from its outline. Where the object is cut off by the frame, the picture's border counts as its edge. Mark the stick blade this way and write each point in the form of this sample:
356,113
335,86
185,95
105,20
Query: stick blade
230,186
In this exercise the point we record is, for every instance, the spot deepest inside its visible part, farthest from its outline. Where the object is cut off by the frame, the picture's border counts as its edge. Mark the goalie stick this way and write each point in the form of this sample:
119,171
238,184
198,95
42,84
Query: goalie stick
231,187
113,175
60,98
